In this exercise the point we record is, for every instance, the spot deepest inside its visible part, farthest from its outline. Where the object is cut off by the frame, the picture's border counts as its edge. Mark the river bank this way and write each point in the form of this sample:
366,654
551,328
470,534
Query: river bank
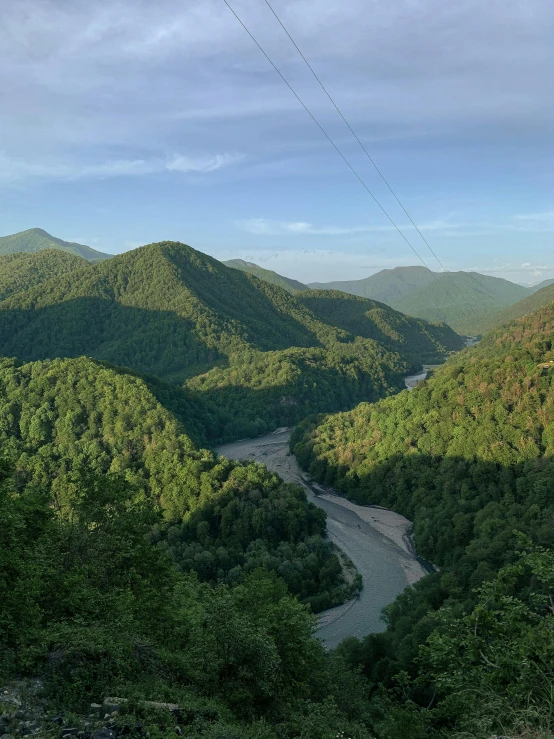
376,540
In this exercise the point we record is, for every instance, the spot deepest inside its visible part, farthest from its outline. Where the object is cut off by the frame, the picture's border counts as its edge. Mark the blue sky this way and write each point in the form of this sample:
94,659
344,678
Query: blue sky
128,121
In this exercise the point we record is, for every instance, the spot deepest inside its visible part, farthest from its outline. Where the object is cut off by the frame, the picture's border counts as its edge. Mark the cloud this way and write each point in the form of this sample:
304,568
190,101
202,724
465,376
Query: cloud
14,170
203,164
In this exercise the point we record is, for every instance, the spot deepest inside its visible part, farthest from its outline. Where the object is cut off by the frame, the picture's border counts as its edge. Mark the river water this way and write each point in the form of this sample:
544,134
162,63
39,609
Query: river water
376,540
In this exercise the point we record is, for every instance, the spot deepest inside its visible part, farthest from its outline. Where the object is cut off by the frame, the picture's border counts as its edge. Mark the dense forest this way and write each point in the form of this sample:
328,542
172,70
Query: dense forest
21,271
252,355
463,300
268,275
468,457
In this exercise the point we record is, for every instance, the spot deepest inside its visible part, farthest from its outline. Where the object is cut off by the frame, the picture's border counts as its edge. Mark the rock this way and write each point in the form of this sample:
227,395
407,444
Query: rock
70,732
104,733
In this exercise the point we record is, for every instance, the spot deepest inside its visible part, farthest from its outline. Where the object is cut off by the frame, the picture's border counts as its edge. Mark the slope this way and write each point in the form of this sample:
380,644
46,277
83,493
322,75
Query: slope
19,272
386,286
461,299
373,320
468,456
36,239
531,303
266,274
250,347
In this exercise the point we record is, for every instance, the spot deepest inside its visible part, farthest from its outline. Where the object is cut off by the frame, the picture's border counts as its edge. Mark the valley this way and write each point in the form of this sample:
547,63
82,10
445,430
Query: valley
376,540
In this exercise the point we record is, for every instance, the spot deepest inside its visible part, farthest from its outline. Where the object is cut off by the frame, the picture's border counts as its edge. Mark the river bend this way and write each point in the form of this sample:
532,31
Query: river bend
376,540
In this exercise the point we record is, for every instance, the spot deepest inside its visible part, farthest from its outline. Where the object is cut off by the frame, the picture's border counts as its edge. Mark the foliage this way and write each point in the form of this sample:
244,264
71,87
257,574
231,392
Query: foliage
36,239
225,518
21,271
468,457
92,606
251,356
292,286
463,300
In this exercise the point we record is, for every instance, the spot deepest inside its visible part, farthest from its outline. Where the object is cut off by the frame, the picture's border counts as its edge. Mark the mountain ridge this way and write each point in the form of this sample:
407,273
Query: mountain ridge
37,239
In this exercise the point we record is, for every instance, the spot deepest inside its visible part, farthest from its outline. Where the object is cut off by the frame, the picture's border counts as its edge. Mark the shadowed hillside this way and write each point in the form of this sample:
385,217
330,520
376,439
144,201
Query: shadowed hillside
261,354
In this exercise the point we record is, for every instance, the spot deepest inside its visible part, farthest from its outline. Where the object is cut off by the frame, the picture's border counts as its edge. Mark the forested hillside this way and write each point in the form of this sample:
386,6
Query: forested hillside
463,300
20,272
532,303
246,348
386,286
372,320
36,239
267,275
468,457
102,494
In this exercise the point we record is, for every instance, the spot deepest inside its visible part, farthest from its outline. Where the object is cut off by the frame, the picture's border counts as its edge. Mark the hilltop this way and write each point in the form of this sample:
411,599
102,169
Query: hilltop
257,352
266,274
36,239
386,286
460,299
19,272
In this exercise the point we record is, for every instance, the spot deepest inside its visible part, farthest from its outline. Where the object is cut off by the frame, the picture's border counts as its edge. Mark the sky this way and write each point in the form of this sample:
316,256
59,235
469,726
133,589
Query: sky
125,122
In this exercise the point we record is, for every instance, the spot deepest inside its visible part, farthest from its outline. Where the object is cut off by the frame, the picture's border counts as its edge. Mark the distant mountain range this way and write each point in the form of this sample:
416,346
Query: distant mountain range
36,239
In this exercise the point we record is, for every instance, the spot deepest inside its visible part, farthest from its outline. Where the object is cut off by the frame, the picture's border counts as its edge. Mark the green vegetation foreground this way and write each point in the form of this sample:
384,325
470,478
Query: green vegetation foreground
468,457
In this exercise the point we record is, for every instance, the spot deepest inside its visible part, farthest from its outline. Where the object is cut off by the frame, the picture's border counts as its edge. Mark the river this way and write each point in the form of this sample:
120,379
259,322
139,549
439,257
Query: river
376,540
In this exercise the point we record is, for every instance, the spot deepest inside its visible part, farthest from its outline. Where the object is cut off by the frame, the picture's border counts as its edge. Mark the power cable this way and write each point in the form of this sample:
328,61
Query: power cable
364,149
339,152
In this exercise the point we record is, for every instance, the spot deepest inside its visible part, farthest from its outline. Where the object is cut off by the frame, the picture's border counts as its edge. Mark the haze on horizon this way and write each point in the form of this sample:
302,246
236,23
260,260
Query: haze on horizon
125,123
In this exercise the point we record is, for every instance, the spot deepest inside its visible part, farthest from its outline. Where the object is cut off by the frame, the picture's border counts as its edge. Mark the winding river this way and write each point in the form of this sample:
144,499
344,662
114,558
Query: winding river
376,540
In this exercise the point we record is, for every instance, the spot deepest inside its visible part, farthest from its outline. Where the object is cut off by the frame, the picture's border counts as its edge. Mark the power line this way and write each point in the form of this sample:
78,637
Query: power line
339,152
366,152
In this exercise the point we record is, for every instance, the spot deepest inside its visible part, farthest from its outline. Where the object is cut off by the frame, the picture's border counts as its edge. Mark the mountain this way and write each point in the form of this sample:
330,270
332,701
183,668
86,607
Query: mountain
468,456
35,239
542,284
531,303
373,320
463,300
19,272
266,274
249,351
460,299
386,286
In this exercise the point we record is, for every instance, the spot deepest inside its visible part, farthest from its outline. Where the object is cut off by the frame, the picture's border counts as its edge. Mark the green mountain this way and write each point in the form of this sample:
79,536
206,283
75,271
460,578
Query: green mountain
267,275
35,239
424,342
463,300
531,303
468,457
460,299
19,272
386,286
249,350
542,284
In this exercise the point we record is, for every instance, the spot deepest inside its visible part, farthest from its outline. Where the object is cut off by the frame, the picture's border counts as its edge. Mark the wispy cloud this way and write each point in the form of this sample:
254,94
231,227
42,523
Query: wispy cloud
17,170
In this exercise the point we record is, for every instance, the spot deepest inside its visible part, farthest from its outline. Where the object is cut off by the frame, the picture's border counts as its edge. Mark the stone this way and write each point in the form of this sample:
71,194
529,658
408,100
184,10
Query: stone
104,733
73,731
